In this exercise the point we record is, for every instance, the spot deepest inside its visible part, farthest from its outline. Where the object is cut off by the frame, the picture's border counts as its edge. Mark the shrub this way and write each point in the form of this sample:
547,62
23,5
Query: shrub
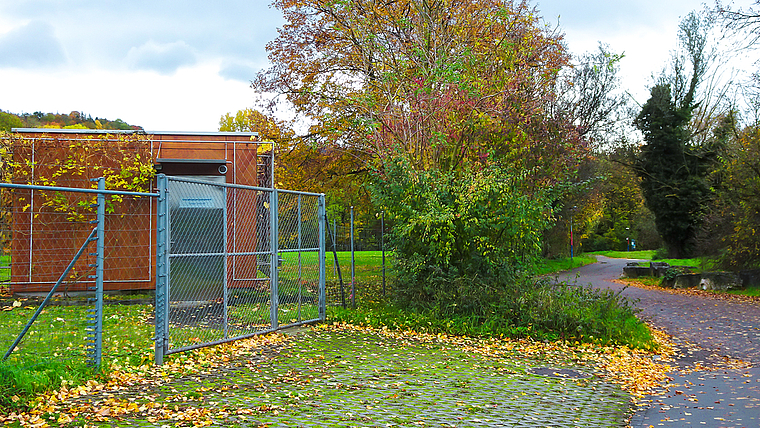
465,246
454,234
518,307
660,254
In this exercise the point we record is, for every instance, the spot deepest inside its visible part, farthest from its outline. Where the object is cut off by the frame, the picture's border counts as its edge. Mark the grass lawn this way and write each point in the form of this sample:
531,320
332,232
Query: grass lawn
53,351
368,264
647,254
5,271
754,292
547,266
59,332
699,263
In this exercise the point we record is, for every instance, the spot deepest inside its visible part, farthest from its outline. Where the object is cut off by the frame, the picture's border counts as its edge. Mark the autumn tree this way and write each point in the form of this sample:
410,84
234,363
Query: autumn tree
9,121
742,175
445,84
620,211
448,102
589,95
744,22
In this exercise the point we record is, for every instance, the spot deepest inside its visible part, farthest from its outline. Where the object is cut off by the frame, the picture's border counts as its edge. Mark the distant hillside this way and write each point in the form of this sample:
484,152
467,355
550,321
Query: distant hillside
72,120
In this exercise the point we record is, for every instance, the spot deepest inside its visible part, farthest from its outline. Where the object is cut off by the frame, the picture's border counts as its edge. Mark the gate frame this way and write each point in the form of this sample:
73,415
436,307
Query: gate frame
161,337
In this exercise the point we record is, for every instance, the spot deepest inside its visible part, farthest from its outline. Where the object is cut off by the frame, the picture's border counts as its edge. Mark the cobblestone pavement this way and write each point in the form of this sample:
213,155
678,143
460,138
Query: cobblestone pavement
708,332
352,379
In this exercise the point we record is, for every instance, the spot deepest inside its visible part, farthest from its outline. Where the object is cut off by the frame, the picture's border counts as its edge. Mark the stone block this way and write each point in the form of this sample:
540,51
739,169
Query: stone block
658,269
635,271
687,280
720,281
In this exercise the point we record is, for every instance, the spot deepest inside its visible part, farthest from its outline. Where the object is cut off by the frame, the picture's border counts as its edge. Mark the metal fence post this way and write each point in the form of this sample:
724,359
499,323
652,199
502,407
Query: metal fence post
225,257
353,263
96,319
274,257
382,244
334,236
162,269
322,256
300,267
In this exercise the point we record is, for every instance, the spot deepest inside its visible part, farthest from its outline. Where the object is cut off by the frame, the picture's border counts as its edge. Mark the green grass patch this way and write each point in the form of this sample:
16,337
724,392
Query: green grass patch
368,265
644,254
19,385
699,263
5,268
752,291
59,332
547,266
53,352
646,280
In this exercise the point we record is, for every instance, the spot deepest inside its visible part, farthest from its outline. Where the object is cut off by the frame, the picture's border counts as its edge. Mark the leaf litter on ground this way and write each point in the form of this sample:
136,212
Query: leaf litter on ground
638,372
690,291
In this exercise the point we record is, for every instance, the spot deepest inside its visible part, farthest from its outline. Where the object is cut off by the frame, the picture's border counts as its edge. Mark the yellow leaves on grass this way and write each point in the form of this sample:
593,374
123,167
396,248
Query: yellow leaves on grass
638,372
70,403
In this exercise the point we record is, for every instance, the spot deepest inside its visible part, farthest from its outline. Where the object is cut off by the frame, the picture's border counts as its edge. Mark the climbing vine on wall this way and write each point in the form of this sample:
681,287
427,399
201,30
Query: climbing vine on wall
73,160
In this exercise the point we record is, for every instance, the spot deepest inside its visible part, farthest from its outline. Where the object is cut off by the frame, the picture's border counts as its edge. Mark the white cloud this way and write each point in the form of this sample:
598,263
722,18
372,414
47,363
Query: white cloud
95,32
239,71
162,58
33,45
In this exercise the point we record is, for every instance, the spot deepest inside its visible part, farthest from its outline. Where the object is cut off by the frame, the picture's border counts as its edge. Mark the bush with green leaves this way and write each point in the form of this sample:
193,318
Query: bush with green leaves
456,234
517,307
465,250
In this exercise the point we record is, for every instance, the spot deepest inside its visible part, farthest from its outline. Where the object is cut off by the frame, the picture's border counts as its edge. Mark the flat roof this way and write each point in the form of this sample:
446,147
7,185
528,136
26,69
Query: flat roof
128,131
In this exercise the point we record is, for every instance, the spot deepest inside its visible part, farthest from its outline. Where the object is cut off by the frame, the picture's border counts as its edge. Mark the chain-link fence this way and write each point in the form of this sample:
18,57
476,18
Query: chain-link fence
235,261
62,248
357,260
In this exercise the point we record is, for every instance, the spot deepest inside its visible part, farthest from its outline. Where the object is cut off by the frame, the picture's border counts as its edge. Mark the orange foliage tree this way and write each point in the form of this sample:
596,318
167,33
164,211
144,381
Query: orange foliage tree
453,106
445,84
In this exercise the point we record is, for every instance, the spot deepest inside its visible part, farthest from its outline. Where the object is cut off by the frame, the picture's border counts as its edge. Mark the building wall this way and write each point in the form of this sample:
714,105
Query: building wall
44,241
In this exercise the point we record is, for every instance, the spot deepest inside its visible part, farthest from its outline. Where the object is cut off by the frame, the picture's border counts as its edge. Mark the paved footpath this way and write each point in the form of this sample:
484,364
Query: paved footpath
708,332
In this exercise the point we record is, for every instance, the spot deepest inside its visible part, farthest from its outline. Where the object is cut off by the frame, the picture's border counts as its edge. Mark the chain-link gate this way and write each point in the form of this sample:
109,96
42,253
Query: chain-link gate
235,261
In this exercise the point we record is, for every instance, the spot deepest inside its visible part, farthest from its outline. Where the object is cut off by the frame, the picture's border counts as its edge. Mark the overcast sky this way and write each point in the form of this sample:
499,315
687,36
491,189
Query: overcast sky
181,65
